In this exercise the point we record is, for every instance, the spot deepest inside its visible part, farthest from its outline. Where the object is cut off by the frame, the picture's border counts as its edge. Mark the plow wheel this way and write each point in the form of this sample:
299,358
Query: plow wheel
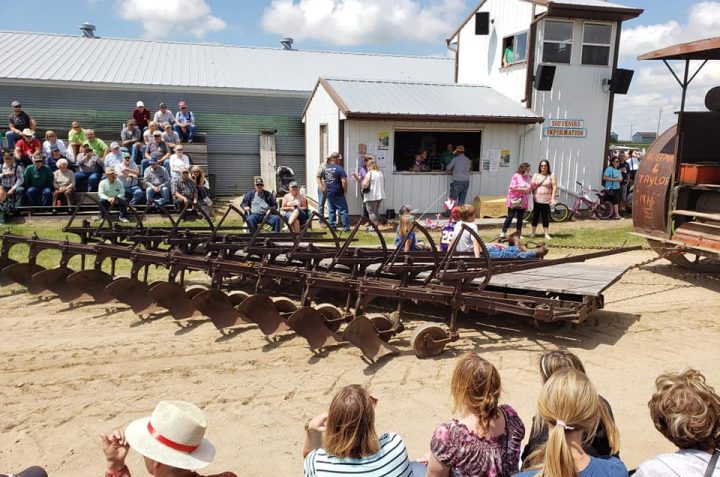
428,340
55,280
5,262
133,293
21,273
260,309
284,304
383,325
237,297
172,296
217,306
361,333
310,324
332,315
92,283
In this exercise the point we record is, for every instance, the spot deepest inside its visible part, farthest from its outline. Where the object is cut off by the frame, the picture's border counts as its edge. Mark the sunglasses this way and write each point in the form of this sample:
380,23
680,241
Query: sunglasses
17,107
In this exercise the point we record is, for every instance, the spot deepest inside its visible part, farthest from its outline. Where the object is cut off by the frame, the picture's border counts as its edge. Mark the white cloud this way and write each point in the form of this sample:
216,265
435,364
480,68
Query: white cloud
171,18
355,22
653,87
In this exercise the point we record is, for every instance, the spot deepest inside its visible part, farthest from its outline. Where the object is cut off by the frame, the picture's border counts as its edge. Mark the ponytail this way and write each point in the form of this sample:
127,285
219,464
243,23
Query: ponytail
558,461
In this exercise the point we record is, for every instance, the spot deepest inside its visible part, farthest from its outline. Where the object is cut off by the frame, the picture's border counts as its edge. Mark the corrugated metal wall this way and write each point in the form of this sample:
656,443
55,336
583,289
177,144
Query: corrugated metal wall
232,123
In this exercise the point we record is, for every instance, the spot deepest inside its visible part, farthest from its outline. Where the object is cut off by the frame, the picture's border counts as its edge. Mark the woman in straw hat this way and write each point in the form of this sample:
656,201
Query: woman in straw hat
171,442
570,406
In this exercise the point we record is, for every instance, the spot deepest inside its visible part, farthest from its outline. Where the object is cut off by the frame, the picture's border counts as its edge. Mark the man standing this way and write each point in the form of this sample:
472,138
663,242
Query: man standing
334,186
256,204
163,117
460,167
321,195
11,190
127,173
132,142
446,156
112,194
185,122
141,115
17,122
38,179
157,183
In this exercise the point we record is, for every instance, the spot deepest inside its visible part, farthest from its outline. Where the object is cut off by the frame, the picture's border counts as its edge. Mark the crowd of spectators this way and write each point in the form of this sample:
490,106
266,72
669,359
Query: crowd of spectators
573,434
48,174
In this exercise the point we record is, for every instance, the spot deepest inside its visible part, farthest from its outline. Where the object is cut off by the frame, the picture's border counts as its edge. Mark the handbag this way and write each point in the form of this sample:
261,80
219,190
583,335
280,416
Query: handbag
516,203
366,190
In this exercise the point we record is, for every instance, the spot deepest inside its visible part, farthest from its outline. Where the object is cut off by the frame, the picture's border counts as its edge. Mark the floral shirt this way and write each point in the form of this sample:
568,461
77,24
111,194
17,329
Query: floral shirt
469,455
518,181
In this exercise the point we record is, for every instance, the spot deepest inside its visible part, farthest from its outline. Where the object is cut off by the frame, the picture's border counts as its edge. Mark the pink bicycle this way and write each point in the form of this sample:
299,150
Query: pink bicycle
584,206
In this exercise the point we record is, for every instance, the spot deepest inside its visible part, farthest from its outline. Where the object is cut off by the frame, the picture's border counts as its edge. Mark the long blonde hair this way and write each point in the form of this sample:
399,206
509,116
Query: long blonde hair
555,360
406,221
568,401
476,388
350,427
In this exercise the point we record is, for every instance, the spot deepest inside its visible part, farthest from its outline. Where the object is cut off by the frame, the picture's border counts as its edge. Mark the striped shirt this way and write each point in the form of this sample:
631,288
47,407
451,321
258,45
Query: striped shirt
390,461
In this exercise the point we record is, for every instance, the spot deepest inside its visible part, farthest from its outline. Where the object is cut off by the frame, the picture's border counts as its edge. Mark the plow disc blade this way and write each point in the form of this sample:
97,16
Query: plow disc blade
55,281
238,297
217,306
310,324
194,290
261,310
92,283
133,293
5,262
361,333
21,273
172,296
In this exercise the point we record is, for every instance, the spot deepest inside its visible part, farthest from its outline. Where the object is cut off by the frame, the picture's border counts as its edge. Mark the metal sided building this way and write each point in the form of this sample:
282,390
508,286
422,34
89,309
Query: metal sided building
558,58
394,119
237,93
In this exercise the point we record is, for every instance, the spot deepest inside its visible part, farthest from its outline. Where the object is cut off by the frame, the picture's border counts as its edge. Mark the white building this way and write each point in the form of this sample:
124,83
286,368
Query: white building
393,120
580,39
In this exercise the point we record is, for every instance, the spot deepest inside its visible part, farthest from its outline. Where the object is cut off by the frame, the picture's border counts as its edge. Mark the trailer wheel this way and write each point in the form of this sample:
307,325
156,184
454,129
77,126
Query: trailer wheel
382,324
332,315
424,340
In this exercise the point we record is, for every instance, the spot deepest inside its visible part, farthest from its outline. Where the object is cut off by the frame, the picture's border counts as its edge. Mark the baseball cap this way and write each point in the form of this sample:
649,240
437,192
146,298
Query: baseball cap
294,184
154,155
163,105
157,133
153,161
126,154
140,103
54,148
15,104
259,181
182,104
408,209
114,145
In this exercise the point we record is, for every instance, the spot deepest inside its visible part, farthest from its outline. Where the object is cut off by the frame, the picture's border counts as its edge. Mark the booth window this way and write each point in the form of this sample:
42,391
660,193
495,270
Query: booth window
557,42
514,49
409,143
596,44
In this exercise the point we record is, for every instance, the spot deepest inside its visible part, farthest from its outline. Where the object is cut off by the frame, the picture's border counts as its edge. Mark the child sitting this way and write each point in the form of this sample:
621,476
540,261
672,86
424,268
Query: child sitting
466,240
403,230
448,231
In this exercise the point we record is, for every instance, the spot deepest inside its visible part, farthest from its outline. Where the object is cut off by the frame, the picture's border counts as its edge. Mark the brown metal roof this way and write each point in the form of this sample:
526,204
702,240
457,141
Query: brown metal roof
708,49
589,9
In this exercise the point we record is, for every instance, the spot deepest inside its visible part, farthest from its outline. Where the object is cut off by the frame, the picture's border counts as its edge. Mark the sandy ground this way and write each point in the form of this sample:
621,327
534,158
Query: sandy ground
70,374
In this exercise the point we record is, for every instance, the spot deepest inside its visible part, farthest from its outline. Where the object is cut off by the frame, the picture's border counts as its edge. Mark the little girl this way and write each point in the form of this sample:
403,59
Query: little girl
403,230
466,241
448,231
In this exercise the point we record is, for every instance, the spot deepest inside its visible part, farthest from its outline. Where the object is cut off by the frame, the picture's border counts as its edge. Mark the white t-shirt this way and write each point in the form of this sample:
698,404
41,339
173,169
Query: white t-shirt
177,163
465,241
377,186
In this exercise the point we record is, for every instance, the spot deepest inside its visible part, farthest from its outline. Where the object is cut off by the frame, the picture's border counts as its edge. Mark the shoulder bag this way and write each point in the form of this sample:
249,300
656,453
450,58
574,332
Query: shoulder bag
366,190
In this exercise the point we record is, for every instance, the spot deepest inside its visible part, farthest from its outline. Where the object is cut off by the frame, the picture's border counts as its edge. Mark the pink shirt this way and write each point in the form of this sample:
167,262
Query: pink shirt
542,188
518,181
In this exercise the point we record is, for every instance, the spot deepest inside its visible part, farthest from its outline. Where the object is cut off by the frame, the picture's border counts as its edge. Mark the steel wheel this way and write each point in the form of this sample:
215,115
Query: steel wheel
604,210
560,213
425,339
382,324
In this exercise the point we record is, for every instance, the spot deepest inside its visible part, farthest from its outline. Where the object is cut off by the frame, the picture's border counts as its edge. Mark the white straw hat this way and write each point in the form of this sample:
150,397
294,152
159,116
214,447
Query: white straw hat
173,435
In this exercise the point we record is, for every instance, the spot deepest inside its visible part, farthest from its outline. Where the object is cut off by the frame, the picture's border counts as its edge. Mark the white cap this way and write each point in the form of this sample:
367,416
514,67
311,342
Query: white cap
140,103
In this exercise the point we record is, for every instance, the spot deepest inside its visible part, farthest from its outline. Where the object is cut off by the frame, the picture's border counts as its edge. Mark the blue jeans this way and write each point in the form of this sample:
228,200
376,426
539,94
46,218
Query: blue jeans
339,204
164,194
34,196
14,201
135,194
185,136
120,204
12,137
510,252
253,220
321,202
302,216
519,213
87,181
458,191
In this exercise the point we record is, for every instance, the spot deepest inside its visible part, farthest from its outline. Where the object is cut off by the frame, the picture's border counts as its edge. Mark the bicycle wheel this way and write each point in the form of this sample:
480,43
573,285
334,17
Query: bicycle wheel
528,216
560,213
604,210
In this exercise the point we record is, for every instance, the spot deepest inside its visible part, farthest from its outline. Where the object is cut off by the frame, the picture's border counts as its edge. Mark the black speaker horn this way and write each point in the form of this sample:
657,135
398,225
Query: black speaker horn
620,81
482,23
544,76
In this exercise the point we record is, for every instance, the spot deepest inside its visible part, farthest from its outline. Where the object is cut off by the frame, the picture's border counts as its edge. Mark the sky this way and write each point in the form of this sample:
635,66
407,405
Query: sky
405,27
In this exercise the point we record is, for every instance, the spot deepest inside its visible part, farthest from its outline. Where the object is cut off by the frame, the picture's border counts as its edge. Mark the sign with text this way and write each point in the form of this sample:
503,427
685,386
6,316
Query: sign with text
565,128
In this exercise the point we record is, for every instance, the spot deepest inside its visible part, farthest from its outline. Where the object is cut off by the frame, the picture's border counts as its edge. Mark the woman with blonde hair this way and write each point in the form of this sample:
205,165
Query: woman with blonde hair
344,440
570,407
685,410
373,188
484,438
607,438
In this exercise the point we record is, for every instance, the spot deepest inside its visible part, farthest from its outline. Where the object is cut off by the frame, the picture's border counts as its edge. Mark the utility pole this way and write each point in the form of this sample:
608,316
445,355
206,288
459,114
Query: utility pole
657,132
631,131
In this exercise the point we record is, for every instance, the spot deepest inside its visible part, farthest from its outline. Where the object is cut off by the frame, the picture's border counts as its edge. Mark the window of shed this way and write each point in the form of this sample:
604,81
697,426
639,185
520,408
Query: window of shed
596,44
514,49
557,42
434,148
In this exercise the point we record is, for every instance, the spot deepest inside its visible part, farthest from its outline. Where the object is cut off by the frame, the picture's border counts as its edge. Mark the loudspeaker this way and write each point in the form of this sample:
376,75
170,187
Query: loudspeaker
544,76
482,23
620,81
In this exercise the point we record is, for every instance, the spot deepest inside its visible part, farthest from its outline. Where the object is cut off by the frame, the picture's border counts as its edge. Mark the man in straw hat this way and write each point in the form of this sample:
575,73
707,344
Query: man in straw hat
171,441
112,194
460,168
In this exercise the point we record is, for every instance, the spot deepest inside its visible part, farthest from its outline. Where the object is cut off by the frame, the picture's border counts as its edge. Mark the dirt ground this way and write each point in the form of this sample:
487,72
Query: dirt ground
70,374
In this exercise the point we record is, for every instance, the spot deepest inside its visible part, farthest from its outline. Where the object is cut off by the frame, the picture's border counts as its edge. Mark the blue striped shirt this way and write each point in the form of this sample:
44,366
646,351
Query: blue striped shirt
390,461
